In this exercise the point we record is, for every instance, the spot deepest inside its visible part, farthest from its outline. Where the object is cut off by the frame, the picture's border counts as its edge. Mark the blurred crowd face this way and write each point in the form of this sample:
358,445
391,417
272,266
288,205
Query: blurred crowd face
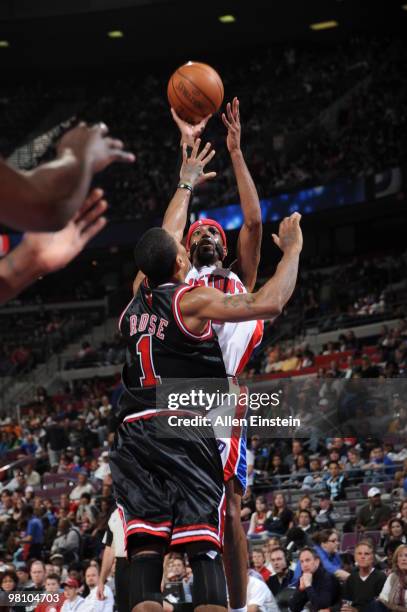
401,558
364,556
279,501
92,576
334,470
261,505
309,564
37,573
278,562
304,519
305,503
332,544
258,559
396,529
52,585
178,568
71,593
8,584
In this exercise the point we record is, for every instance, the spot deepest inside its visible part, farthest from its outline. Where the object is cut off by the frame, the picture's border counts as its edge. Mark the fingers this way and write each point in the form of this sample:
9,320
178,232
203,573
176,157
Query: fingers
226,122
204,151
93,229
100,127
195,149
180,122
122,156
205,121
208,158
114,143
92,214
208,176
94,196
184,152
276,239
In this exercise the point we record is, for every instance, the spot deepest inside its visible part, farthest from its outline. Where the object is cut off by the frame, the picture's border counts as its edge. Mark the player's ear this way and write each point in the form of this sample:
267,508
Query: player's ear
225,252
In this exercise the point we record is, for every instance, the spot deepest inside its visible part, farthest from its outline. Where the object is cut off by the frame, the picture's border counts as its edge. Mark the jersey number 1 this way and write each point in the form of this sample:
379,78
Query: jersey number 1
145,352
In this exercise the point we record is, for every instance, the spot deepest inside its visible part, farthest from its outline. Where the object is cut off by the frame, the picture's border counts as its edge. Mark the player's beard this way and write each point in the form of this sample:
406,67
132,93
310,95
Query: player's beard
206,252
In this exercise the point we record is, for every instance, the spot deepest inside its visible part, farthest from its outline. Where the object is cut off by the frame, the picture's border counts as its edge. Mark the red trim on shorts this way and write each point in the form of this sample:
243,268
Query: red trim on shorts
206,334
158,412
162,524
254,341
223,518
194,527
159,534
197,538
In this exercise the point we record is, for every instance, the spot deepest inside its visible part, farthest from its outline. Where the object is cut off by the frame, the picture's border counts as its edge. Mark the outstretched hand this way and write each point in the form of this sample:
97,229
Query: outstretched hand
289,233
54,250
192,169
189,132
232,123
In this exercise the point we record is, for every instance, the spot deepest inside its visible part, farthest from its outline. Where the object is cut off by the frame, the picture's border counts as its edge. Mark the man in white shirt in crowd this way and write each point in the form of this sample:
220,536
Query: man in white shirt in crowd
92,603
32,478
73,601
259,596
104,467
83,486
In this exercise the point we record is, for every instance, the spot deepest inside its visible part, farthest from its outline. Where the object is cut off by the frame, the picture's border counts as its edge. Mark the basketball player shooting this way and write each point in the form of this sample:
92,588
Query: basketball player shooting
207,249
170,489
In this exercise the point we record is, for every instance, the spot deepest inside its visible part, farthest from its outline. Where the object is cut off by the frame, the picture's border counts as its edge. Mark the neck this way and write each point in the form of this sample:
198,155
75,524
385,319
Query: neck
217,264
365,571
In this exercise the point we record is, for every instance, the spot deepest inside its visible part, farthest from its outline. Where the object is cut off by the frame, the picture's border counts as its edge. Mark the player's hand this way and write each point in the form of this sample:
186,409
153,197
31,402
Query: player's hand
192,169
100,591
232,122
54,250
289,234
91,144
189,132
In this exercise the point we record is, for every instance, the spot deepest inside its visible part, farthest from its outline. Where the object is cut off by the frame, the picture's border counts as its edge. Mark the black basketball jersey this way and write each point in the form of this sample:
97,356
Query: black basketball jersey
160,349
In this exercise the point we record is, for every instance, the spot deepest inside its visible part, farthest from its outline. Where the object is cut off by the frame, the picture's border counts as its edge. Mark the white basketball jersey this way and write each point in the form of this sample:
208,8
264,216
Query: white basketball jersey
236,340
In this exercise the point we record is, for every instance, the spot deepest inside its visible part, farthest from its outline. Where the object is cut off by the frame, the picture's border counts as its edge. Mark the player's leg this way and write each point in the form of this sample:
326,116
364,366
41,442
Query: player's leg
235,556
209,586
146,572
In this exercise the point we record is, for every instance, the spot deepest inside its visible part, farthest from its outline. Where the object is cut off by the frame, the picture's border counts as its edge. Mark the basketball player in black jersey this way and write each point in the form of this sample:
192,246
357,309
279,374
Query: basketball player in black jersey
170,489
208,241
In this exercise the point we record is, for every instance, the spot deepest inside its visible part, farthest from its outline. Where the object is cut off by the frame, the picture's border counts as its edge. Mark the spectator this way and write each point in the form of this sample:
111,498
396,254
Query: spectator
104,467
280,518
259,597
395,531
52,586
314,481
380,467
305,523
258,518
365,582
83,486
8,583
336,482
394,592
402,513
354,466
32,478
325,518
258,563
73,601
373,515
282,574
23,575
86,511
92,604
315,586
34,535
68,541
37,575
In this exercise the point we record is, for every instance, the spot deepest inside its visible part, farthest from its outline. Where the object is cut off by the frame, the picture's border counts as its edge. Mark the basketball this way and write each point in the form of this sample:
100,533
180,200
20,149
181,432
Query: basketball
194,91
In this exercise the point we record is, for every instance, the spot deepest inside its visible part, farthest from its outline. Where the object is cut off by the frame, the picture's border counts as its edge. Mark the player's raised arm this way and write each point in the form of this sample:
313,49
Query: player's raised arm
46,199
205,304
249,241
191,174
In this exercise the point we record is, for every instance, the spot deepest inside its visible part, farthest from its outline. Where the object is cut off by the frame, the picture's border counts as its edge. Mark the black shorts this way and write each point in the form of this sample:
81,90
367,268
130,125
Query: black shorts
168,486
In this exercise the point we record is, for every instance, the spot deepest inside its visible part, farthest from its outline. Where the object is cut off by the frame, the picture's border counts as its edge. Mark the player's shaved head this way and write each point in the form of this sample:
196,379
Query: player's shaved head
156,254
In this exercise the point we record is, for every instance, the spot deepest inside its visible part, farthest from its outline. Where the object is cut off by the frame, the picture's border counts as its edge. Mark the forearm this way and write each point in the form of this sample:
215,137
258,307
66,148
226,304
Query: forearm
18,270
107,563
279,289
44,199
249,198
176,215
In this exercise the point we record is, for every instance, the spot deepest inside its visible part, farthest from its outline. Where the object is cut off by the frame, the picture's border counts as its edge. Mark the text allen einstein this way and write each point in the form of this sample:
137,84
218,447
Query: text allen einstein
254,420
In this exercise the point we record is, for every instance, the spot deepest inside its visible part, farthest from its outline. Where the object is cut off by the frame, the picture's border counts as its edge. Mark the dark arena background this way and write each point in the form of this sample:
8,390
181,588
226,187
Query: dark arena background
322,87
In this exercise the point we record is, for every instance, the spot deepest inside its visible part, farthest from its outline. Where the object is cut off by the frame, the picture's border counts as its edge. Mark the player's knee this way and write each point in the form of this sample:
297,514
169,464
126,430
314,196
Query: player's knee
146,571
209,587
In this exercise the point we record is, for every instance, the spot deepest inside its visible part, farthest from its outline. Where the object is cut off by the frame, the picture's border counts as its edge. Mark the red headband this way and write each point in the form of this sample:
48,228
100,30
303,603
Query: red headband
211,222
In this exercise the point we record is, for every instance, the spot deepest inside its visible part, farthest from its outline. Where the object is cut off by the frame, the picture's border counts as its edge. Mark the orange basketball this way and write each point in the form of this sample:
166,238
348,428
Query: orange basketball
194,91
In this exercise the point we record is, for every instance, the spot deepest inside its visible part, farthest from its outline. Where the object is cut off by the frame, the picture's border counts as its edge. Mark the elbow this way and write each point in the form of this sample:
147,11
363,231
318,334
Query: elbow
254,223
275,310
